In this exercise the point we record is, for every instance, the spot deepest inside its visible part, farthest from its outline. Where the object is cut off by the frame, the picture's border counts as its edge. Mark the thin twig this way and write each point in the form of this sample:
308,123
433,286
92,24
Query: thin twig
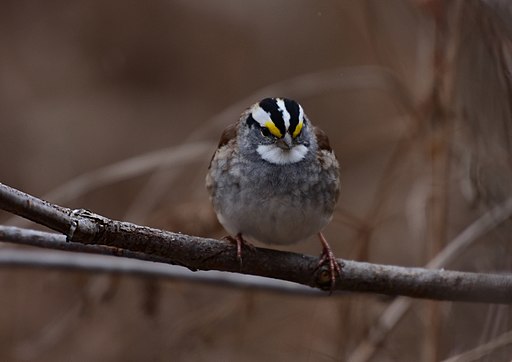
140,268
116,265
126,169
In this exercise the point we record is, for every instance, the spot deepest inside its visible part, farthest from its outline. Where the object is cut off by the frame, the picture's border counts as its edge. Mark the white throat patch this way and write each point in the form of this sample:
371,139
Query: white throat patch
278,156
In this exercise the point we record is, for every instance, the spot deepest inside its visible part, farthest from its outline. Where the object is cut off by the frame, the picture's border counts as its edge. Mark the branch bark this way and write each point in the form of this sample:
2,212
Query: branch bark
82,226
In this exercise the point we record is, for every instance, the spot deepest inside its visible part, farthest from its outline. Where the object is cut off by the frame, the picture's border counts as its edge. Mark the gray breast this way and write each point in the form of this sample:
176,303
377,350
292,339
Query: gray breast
279,204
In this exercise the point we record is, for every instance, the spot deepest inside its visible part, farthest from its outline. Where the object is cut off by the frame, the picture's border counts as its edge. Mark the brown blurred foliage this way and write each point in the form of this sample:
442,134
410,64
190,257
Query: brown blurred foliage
414,95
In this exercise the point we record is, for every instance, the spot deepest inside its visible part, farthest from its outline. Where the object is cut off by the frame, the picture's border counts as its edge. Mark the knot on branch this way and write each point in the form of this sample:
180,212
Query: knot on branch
86,226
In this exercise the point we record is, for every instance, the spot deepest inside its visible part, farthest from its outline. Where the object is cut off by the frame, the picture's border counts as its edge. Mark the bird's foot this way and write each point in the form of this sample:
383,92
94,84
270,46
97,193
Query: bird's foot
327,257
240,241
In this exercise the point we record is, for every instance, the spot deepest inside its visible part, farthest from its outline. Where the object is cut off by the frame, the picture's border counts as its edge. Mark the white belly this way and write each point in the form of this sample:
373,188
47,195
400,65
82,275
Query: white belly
273,221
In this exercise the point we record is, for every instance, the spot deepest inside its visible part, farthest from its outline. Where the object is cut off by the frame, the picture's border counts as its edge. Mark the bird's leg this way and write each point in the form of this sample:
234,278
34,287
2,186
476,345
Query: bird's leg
239,241
328,257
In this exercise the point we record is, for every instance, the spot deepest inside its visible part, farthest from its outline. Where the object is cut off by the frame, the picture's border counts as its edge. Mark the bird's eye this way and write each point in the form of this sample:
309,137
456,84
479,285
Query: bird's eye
265,132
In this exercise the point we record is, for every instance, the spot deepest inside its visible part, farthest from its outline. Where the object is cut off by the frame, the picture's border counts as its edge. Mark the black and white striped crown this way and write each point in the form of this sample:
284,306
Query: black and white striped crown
278,115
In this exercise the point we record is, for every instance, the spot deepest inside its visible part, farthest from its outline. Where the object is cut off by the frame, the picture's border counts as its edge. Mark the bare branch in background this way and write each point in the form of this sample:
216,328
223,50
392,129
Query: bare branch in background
394,313
300,87
126,169
140,268
192,148
210,254
483,350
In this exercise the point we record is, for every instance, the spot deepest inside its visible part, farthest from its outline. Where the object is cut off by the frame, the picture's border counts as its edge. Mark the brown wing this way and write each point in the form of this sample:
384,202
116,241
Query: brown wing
228,134
322,139
328,161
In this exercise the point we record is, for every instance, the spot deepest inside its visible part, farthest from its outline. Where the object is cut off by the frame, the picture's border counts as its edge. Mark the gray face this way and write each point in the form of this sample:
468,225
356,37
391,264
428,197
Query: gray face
277,131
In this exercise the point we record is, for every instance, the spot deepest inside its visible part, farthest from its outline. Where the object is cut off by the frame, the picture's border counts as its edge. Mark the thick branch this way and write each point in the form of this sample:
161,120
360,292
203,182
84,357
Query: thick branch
210,254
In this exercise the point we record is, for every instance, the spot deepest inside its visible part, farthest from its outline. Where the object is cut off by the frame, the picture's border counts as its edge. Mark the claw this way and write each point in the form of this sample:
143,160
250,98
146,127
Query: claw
239,241
328,257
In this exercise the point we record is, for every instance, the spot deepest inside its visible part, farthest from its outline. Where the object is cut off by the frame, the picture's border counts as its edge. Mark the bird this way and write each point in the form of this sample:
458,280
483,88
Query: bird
275,179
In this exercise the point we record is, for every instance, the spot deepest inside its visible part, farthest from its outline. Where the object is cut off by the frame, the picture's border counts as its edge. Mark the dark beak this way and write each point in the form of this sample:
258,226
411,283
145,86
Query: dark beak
285,143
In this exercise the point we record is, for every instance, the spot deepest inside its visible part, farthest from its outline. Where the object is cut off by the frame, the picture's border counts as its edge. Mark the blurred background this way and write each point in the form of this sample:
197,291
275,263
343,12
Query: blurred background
117,106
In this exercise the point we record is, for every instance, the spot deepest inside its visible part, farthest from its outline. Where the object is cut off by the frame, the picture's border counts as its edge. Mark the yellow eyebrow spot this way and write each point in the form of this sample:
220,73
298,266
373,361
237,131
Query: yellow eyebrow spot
273,129
297,130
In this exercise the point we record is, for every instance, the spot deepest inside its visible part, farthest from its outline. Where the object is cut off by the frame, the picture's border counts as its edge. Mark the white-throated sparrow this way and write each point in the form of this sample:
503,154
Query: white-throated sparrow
274,178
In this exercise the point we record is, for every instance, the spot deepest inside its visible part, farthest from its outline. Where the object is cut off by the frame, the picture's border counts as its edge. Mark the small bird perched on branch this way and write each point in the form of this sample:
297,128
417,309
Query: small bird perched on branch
275,179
